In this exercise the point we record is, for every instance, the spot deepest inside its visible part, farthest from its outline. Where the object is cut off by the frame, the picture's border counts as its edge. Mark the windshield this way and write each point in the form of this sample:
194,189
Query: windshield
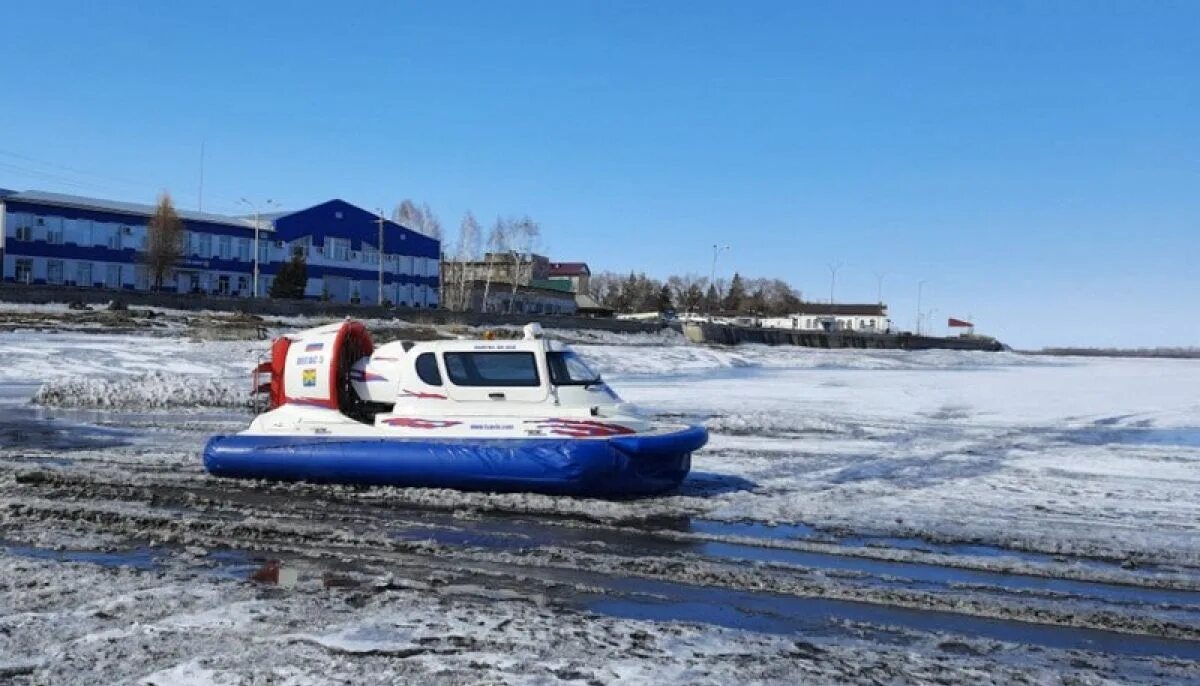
568,369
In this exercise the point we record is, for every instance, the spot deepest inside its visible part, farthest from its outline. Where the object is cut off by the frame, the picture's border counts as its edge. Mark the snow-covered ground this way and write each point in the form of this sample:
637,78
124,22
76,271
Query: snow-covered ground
1060,491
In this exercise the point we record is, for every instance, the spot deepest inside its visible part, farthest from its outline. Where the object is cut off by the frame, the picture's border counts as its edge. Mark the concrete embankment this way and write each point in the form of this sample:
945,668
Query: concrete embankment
727,334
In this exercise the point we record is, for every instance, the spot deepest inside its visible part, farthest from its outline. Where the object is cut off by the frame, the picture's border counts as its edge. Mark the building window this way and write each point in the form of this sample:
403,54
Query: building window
225,246
244,249
112,276
141,275
223,284
339,249
204,245
24,233
83,274
54,235
24,272
114,239
54,271
194,283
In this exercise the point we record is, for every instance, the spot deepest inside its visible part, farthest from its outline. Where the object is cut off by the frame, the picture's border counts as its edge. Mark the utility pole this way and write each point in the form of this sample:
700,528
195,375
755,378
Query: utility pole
920,285
833,270
381,221
712,275
200,190
257,224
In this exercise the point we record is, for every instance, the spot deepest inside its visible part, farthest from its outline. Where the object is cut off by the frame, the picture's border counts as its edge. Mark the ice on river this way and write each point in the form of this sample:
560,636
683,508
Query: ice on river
1095,457
1084,455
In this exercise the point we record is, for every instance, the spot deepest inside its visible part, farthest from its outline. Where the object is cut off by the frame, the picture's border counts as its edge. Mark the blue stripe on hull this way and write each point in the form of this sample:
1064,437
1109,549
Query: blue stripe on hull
622,466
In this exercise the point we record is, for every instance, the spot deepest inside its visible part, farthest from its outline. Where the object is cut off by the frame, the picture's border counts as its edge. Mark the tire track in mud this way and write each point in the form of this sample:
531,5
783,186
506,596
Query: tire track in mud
219,515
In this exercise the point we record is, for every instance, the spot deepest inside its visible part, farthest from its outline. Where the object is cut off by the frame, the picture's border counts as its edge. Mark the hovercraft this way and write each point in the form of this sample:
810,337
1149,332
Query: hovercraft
480,415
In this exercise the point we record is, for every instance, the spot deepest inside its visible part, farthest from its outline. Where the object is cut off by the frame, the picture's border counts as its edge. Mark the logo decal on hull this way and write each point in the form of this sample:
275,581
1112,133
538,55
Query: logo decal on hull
356,375
580,428
423,396
417,423
309,377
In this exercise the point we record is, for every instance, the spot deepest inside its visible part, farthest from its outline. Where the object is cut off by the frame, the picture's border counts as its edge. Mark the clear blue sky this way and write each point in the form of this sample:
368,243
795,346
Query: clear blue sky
1037,162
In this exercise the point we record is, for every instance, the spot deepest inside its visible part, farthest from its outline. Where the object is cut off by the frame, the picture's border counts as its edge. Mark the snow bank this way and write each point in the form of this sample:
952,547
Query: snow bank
157,390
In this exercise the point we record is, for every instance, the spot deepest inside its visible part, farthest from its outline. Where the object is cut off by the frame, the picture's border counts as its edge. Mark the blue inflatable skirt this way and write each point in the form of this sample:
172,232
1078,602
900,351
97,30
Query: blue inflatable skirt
614,467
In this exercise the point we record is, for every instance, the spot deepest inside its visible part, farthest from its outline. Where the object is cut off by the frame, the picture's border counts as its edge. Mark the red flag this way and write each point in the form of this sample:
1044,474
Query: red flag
959,323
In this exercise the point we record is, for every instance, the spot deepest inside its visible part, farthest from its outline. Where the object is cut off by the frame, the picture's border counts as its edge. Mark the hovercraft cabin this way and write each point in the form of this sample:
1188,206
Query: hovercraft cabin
67,240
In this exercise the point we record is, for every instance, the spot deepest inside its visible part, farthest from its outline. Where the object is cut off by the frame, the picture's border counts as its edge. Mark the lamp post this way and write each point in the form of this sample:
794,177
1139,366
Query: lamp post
920,286
712,275
833,270
254,208
381,221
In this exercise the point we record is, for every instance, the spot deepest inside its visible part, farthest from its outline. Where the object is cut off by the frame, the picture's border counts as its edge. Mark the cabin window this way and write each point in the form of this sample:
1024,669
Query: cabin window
427,370
569,369
492,369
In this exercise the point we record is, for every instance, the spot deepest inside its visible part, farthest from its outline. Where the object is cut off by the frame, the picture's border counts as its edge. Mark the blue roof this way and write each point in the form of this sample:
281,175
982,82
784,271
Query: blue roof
119,207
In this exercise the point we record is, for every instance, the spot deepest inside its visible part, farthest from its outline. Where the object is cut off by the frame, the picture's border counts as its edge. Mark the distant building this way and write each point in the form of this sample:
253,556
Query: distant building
587,306
575,273
498,268
483,296
861,318
67,240
543,287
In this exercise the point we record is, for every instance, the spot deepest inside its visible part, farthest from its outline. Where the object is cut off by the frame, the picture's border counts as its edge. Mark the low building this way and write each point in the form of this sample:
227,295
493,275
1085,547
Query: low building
498,268
58,239
860,318
484,296
587,306
576,274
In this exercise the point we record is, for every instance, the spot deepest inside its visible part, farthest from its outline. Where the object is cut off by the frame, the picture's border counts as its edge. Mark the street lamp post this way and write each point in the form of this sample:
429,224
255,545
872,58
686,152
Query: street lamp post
920,286
712,275
833,270
381,221
257,224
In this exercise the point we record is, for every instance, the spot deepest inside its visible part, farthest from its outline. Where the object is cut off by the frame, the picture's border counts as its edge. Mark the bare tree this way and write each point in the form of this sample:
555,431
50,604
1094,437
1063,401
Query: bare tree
523,238
499,238
164,239
430,225
406,214
467,250
420,219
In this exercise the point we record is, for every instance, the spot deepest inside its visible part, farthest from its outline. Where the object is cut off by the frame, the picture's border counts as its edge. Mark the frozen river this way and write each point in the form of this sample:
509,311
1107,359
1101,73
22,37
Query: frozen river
858,516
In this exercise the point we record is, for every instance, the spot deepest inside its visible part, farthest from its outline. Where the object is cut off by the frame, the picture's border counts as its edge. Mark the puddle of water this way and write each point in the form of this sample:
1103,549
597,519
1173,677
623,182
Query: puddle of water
822,617
934,574
1189,437
806,533
138,558
515,535
32,427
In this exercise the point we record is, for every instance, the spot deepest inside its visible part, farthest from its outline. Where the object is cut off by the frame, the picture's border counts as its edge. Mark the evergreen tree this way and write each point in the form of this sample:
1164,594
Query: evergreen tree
664,303
736,297
292,279
712,299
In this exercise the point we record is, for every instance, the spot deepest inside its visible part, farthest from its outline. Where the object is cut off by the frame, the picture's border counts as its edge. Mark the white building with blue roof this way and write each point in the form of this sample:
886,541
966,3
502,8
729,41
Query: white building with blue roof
73,241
